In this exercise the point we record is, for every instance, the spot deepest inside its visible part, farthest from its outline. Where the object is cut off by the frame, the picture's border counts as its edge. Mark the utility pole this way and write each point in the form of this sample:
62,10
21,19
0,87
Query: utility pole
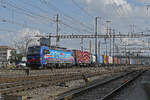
57,29
117,50
110,41
148,42
113,42
49,40
106,45
99,51
133,26
113,46
81,44
90,47
107,34
96,37
125,50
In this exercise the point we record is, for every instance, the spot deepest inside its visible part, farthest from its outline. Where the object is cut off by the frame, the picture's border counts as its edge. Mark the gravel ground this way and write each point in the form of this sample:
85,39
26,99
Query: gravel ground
15,73
46,93
136,90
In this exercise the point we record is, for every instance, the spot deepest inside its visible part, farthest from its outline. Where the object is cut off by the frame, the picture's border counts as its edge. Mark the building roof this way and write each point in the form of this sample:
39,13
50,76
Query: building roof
7,47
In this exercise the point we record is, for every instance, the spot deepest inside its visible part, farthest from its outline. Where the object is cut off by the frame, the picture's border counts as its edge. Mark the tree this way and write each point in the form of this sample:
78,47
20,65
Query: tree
23,44
15,57
26,40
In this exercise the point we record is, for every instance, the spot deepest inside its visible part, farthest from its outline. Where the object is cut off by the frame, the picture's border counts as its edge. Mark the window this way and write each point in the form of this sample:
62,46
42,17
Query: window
33,50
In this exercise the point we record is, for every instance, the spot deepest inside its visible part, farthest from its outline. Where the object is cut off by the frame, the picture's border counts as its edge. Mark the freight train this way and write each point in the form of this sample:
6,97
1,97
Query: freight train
42,56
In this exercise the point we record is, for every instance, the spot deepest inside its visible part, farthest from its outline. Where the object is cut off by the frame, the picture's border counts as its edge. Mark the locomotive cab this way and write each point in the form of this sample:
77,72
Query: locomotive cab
33,56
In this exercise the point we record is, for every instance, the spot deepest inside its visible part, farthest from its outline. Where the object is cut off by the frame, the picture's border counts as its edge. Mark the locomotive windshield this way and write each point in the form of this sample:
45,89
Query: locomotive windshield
33,51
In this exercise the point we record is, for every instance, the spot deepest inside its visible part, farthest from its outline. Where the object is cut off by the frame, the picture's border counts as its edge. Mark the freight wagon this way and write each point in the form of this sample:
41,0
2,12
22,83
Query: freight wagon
110,60
100,61
93,59
82,58
105,60
115,60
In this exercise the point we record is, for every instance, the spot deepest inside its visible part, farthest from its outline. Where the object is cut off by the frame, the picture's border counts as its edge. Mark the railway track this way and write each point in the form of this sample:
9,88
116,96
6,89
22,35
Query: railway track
29,78
101,90
16,73
34,82
44,74
55,74
116,91
13,85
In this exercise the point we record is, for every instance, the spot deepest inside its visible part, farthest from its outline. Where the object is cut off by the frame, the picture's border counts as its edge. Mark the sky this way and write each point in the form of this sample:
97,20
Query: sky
21,17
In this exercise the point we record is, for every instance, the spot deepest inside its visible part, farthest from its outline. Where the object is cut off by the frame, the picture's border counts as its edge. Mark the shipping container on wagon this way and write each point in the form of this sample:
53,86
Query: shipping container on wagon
93,59
82,57
121,60
132,61
125,61
137,61
118,61
110,60
140,61
115,60
105,59
101,60
98,59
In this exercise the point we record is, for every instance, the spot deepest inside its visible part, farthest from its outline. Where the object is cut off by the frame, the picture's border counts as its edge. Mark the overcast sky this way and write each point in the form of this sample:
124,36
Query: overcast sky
19,17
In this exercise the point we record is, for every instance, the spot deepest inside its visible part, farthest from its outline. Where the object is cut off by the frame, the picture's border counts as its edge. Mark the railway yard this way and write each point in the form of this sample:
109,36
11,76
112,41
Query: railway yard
75,50
92,83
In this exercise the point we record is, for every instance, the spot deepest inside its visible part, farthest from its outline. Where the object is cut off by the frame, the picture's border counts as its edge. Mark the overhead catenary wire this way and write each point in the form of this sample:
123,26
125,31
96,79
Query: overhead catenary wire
74,28
51,6
30,13
82,9
115,8
120,9
26,13
16,23
63,22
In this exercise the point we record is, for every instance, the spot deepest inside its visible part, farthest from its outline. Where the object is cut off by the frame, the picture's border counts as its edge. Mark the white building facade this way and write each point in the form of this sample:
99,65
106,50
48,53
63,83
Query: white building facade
5,54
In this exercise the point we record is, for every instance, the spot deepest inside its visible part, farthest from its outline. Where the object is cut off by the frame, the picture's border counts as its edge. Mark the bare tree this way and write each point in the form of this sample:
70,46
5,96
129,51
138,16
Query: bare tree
23,43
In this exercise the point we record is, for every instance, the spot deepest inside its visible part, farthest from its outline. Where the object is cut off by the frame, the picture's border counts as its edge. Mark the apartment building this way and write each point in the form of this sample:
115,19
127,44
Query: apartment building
5,53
